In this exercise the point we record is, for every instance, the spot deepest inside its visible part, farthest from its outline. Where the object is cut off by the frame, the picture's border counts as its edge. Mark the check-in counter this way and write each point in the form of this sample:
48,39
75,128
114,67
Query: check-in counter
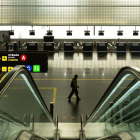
87,46
49,46
121,47
101,46
32,46
68,46
135,47
11,46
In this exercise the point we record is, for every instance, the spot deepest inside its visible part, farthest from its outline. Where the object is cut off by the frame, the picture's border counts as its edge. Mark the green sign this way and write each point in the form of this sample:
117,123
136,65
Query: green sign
36,68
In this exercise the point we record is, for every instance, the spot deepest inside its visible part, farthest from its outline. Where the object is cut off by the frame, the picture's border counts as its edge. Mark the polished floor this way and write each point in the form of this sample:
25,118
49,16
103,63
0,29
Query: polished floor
95,71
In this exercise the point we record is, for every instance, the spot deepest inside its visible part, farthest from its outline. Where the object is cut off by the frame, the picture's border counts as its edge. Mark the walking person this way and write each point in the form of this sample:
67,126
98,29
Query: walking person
74,88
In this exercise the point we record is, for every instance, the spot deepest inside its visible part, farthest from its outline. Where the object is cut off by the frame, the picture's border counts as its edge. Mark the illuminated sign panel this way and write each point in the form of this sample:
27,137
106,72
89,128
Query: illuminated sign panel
34,61
10,68
36,68
23,57
4,58
4,69
29,67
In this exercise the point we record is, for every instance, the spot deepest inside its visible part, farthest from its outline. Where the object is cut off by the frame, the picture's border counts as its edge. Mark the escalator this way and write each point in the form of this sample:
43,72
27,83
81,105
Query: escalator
118,111
22,107
24,114
26,135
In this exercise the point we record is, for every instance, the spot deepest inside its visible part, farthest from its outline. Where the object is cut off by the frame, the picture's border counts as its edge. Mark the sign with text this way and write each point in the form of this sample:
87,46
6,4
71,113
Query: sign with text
35,61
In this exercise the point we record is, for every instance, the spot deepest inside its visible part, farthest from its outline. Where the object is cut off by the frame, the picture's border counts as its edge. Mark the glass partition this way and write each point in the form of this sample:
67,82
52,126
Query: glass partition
22,109
119,109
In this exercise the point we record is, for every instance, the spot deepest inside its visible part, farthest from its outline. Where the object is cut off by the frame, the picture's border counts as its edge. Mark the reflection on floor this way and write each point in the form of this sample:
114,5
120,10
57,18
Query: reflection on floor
95,72
93,60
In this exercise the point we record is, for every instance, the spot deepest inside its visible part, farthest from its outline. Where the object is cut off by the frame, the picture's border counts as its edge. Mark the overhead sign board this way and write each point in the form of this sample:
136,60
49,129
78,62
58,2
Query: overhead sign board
34,61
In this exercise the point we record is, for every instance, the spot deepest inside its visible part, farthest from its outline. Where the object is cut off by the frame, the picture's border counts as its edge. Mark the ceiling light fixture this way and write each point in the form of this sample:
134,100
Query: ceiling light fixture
101,32
49,32
11,32
32,32
135,32
87,32
69,32
120,32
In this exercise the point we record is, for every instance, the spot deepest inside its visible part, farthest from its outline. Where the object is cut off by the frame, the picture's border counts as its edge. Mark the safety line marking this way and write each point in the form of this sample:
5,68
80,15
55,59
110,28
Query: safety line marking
54,95
5,96
71,79
28,88
54,91
46,87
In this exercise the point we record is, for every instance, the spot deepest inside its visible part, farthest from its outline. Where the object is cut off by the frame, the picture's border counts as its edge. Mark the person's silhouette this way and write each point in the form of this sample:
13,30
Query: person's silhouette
74,88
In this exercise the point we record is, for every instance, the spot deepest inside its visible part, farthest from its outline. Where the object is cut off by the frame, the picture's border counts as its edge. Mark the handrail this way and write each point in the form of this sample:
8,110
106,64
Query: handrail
124,135
56,121
21,69
82,121
7,117
2,44
27,135
125,70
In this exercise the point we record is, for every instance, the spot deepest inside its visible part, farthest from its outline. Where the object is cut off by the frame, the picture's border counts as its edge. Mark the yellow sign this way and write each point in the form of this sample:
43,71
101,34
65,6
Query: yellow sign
10,68
4,58
4,69
12,59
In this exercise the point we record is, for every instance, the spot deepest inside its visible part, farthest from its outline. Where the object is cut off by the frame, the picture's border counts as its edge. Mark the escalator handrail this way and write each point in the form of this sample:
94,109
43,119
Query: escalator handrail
27,135
133,70
10,77
9,118
123,135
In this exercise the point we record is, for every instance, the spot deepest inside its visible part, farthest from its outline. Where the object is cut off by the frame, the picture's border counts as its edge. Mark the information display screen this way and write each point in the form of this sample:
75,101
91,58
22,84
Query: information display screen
135,44
34,61
32,44
68,44
35,68
11,44
121,44
48,44
48,38
101,44
88,44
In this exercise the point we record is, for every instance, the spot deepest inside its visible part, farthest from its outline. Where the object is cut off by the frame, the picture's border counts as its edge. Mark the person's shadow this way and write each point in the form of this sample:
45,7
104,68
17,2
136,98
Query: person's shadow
75,108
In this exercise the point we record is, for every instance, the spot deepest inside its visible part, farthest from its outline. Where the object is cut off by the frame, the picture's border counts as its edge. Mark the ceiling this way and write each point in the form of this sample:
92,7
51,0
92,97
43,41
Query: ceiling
70,12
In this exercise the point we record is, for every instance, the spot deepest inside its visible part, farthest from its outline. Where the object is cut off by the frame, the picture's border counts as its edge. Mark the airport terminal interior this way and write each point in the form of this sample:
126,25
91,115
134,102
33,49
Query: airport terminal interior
51,48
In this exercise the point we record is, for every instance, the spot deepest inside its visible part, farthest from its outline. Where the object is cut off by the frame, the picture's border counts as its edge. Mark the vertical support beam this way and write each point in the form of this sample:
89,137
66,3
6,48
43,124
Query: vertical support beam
82,132
51,108
94,31
112,113
57,132
117,118
87,116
